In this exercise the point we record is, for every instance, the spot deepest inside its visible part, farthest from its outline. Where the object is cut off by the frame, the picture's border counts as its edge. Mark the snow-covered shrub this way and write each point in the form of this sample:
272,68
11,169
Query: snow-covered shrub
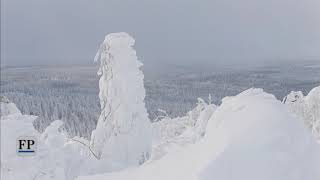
195,120
123,133
181,131
200,115
56,157
307,108
7,107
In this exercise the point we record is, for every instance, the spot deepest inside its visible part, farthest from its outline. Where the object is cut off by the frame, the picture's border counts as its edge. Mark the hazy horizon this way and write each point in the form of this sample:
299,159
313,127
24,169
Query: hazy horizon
247,32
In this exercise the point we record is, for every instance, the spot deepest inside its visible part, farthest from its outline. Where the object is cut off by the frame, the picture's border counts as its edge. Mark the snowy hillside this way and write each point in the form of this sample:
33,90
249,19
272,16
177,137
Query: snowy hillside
250,136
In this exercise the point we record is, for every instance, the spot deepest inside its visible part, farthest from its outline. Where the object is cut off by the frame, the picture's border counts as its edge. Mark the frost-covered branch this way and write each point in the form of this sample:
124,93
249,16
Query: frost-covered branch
86,145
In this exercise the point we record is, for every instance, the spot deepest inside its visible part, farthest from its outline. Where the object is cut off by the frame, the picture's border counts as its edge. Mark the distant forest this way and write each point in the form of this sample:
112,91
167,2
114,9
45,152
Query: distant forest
71,93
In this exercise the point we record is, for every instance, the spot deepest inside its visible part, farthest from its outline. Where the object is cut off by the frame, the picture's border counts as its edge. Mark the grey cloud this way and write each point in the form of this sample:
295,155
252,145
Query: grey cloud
177,31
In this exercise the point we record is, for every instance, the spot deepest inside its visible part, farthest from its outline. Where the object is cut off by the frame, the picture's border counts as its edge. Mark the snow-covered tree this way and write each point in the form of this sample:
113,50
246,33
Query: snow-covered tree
313,110
7,107
123,133
306,107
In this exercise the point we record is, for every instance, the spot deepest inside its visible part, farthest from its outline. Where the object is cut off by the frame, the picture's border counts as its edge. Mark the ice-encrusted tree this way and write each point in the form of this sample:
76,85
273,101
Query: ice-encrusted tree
123,133
7,107
306,107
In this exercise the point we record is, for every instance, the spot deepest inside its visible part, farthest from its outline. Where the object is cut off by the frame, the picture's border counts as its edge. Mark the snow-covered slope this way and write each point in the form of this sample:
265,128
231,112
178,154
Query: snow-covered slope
262,141
7,107
250,136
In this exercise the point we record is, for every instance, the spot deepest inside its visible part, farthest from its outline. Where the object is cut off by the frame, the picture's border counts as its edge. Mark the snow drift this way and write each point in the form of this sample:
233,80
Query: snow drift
262,141
250,136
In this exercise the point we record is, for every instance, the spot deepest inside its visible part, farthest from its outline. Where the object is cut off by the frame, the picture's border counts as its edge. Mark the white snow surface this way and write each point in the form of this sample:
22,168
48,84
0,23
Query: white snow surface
250,136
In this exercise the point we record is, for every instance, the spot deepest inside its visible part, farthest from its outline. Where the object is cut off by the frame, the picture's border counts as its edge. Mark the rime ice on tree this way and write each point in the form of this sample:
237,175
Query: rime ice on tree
123,132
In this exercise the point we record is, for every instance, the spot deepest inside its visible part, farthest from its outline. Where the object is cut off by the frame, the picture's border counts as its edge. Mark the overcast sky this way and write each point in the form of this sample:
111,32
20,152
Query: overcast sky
38,32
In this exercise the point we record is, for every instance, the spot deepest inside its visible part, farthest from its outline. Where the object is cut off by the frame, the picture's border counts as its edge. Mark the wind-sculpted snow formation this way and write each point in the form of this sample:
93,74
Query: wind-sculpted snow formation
307,108
123,132
250,136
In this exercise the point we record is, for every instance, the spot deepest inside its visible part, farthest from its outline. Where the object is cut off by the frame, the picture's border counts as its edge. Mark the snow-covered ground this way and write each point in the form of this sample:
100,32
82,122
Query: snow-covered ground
250,136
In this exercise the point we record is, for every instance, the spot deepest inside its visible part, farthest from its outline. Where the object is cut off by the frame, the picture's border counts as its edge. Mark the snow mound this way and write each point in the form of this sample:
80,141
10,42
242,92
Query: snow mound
262,141
306,108
7,107
250,136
